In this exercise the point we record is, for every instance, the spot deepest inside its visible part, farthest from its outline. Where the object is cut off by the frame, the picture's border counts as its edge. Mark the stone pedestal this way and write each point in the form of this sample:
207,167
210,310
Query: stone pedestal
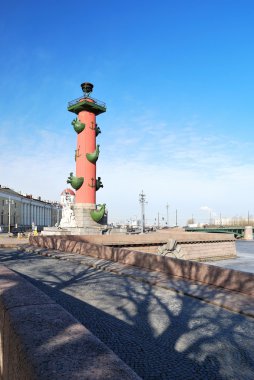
248,233
82,215
99,230
85,225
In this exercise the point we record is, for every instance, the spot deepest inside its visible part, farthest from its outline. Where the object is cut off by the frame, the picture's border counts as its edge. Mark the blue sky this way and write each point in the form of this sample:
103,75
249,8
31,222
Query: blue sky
178,80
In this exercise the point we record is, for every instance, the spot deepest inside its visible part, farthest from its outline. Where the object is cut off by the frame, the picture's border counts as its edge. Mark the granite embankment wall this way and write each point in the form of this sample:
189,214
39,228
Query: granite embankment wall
190,246
40,340
226,278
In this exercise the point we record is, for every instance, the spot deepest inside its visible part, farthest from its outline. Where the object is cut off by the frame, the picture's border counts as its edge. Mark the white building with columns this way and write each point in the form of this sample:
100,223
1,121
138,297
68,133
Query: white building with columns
26,211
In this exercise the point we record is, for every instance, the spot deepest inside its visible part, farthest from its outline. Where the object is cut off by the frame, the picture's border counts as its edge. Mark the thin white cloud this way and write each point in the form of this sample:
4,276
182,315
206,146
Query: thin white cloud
180,166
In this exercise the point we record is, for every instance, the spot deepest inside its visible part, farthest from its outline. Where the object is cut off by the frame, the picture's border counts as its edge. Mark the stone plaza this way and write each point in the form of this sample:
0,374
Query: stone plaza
160,333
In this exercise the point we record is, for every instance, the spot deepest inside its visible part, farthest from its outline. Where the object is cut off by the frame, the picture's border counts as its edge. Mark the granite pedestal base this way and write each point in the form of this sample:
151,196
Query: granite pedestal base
49,231
85,224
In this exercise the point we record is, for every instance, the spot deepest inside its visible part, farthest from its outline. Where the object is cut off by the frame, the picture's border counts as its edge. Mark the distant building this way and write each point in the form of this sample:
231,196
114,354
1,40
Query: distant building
223,222
26,211
135,223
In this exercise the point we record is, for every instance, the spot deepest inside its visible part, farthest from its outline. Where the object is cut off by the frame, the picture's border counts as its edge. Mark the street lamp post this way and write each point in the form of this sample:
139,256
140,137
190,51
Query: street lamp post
58,207
9,202
167,206
142,201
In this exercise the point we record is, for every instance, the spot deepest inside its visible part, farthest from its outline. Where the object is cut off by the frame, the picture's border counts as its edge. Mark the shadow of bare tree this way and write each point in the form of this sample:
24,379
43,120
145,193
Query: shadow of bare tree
157,332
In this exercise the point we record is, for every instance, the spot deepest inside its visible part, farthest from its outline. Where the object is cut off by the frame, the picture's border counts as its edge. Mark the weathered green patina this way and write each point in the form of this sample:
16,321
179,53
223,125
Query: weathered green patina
82,104
77,155
77,125
97,130
93,157
76,182
99,184
98,214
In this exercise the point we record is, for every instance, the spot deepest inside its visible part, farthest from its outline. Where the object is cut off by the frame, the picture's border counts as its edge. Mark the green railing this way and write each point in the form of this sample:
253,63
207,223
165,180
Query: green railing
237,231
75,101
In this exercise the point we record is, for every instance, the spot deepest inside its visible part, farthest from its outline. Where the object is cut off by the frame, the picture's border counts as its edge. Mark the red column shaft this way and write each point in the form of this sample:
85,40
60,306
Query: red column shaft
86,143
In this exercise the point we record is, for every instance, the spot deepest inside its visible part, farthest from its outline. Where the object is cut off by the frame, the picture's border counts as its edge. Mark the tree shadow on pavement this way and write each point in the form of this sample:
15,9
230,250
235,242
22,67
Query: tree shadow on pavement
160,334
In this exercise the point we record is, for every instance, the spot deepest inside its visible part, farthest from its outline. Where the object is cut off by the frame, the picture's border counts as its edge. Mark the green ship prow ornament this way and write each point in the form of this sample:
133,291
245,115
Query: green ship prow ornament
76,182
78,126
98,214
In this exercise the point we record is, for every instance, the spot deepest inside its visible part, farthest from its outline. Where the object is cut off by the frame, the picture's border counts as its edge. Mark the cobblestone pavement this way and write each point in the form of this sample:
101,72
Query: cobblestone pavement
157,332
245,258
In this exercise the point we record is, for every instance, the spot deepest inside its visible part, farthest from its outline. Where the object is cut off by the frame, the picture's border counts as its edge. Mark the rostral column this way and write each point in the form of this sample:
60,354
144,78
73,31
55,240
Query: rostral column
87,214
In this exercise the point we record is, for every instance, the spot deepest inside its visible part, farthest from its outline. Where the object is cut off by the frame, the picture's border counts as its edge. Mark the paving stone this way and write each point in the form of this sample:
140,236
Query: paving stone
160,333
233,301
